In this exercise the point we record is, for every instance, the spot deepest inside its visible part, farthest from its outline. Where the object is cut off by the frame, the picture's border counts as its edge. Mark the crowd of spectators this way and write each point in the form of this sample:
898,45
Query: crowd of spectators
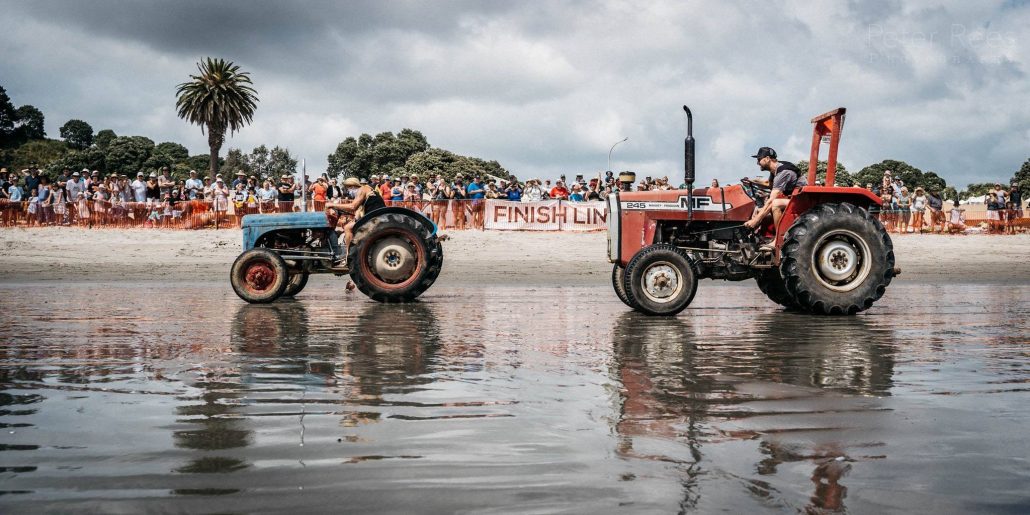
91,198
922,210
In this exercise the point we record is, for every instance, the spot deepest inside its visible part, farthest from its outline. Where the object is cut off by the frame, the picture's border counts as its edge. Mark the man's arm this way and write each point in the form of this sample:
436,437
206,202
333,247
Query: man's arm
349,207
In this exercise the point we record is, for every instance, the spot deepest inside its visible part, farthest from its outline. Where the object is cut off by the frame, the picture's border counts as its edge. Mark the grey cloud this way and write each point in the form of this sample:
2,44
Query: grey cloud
548,86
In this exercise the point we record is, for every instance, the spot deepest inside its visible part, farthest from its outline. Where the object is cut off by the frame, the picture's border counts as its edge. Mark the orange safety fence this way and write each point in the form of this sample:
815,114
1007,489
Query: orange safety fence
446,214
204,214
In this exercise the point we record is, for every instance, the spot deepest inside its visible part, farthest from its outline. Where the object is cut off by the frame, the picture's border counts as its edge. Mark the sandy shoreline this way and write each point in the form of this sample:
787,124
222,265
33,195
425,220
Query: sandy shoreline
471,257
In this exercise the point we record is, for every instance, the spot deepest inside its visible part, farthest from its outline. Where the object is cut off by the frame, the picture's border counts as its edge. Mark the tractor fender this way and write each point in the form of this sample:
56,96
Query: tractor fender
811,196
430,226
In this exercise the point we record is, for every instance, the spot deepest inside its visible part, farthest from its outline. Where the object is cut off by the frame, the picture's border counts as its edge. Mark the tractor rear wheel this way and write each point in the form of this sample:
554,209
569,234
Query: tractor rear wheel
619,283
661,280
258,276
771,283
394,258
836,260
297,282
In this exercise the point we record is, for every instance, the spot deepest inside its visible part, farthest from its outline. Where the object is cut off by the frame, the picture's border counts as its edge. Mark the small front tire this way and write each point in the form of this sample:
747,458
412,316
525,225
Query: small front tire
259,276
661,280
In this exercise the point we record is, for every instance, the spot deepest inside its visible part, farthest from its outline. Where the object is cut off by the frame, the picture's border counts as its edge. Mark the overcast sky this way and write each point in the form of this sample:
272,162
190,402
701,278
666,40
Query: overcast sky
547,87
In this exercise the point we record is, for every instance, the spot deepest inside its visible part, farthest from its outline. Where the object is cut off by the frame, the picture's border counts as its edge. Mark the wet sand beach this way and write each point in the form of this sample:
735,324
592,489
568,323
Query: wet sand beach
132,379
483,257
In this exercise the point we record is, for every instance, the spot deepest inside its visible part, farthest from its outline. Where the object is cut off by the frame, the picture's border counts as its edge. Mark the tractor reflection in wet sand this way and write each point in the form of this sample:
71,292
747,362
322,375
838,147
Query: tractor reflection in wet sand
828,255
394,257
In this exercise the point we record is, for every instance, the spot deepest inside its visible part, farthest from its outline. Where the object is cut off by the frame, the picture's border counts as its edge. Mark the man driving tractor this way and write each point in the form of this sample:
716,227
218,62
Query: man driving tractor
784,178
364,199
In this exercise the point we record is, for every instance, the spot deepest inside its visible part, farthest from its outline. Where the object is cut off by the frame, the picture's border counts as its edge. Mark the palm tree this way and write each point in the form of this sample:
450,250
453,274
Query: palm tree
220,98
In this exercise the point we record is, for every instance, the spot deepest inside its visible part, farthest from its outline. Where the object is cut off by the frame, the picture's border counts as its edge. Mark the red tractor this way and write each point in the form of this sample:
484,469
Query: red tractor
828,256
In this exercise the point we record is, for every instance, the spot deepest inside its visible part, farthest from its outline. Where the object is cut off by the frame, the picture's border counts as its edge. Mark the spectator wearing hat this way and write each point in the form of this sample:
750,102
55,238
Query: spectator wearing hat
165,182
918,209
1015,205
153,189
956,219
576,195
936,206
286,193
32,179
476,192
456,198
220,196
319,193
139,188
333,191
74,186
194,186
418,187
385,188
514,191
559,191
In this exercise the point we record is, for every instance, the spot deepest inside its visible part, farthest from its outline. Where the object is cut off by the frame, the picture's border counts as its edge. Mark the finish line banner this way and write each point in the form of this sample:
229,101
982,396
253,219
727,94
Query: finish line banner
547,215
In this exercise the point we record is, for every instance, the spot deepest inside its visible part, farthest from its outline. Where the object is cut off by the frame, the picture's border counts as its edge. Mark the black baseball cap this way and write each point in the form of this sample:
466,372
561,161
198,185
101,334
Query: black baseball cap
765,152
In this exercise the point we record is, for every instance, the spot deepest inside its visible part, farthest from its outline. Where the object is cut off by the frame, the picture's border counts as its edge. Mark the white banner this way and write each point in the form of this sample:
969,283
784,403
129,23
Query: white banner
547,215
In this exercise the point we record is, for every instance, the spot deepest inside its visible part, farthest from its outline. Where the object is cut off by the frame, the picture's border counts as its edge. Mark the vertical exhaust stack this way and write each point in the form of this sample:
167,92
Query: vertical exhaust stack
688,161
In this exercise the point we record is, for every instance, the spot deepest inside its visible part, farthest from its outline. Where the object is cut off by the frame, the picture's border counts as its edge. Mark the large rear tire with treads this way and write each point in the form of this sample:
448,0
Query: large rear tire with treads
772,285
394,258
836,259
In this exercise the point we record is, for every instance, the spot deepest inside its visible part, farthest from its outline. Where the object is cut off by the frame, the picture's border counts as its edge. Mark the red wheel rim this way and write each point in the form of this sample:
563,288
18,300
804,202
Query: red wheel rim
258,277
420,256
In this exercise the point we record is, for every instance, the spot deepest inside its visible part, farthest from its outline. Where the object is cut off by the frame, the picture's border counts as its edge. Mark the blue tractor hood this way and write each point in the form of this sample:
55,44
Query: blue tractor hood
254,226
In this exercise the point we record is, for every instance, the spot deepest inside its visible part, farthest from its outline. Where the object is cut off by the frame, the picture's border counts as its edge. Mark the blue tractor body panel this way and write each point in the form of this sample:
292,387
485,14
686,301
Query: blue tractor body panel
256,226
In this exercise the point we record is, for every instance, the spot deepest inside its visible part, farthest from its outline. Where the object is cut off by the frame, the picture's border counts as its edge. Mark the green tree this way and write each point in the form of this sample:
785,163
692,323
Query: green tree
236,161
841,176
104,138
280,162
28,124
221,98
911,176
128,154
200,162
259,161
77,134
175,151
8,115
91,158
1022,177
368,155
976,190
39,152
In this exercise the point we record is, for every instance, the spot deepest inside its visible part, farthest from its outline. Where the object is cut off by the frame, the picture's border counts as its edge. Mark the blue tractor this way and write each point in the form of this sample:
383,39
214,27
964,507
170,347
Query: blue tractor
394,257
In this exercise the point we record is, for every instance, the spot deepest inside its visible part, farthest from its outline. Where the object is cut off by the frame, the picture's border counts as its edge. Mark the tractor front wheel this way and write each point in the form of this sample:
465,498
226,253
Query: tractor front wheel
836,260
258,276
661,280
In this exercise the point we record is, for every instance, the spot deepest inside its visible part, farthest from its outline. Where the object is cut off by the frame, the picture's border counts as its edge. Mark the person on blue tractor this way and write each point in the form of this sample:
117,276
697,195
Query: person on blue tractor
784,178
363,199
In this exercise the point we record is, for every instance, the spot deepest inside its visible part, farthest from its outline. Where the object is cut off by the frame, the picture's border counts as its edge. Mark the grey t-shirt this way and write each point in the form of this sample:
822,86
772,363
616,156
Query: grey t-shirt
788,177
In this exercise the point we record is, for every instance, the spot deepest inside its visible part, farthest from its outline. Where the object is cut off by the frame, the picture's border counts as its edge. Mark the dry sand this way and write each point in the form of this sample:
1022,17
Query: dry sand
471,257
